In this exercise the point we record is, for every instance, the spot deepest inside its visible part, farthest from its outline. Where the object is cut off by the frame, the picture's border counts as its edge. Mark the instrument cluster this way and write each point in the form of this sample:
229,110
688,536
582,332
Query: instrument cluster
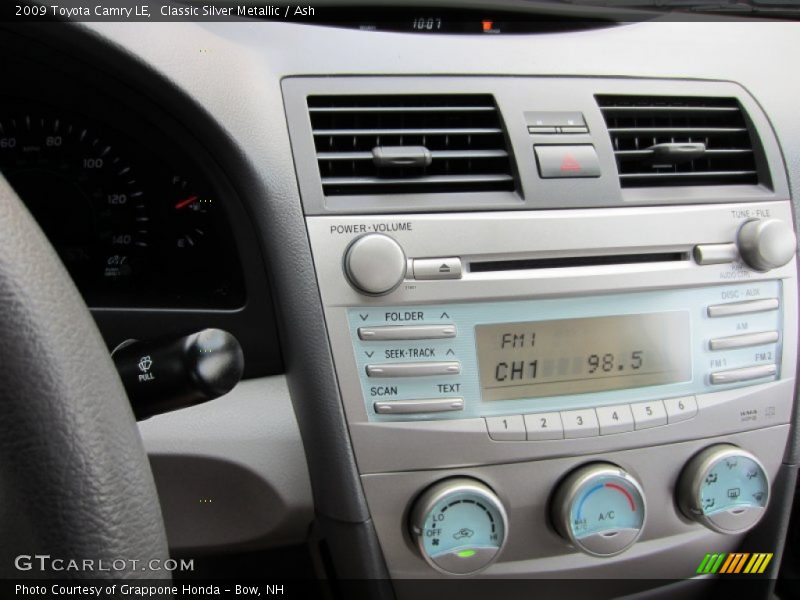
134,221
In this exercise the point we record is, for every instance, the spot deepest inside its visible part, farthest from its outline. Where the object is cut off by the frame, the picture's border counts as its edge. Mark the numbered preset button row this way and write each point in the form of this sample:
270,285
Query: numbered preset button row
590,422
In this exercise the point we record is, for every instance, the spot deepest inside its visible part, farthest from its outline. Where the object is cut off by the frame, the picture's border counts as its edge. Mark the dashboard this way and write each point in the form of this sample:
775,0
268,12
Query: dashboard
529,315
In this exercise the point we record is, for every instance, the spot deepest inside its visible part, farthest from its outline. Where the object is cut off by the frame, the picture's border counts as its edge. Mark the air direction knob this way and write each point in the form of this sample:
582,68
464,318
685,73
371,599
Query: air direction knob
766,244
375,264
724,488
600,509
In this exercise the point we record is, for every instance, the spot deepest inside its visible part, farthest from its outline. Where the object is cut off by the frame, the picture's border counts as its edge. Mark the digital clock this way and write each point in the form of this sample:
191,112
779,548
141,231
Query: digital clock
575,356
426,24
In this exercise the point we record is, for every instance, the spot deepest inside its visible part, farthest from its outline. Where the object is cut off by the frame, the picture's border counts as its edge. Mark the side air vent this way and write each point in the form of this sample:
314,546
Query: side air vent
673,141
403,144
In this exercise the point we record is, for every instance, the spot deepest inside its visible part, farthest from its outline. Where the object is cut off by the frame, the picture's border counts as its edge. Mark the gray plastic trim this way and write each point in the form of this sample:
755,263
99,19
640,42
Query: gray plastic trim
670,545
231,474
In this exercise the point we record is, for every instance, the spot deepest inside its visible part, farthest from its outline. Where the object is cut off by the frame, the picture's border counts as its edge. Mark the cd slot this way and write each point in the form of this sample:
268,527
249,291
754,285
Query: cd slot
576,261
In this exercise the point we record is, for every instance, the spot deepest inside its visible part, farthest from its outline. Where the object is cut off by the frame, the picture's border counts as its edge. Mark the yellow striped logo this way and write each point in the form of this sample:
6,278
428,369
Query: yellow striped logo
735,563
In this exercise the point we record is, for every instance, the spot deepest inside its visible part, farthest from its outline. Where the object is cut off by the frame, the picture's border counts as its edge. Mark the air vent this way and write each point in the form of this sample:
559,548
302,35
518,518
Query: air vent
404,144
678,141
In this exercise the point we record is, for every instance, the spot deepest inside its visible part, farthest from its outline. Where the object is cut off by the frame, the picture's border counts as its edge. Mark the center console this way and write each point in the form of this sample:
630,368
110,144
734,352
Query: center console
562,312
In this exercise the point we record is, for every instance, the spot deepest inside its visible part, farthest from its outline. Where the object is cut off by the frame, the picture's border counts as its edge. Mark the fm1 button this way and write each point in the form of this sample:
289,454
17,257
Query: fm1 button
567,161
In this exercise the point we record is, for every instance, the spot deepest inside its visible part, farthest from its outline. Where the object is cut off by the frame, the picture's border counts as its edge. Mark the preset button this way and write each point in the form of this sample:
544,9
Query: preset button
580,423
615,419
544,426
506,429
680,409
649,414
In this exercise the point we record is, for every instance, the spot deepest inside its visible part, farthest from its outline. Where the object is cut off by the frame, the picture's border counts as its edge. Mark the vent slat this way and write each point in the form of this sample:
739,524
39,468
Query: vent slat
416,180
460,136
454,154
644,153
400,131
669,109
637,124
689,174
689,130
399,109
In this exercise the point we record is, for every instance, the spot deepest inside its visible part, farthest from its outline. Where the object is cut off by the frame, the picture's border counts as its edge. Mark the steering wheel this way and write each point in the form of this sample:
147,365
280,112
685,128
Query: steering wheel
75,483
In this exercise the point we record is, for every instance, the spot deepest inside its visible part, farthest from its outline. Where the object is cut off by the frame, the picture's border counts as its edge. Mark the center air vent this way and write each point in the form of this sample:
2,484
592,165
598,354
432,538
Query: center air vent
403,144
672,141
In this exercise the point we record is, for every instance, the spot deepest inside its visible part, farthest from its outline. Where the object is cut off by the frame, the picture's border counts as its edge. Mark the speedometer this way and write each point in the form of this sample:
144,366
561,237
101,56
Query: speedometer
135,222
83,192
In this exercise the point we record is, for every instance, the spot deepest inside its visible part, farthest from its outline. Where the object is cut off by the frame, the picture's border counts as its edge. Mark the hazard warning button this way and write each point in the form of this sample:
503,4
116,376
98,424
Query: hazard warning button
557,161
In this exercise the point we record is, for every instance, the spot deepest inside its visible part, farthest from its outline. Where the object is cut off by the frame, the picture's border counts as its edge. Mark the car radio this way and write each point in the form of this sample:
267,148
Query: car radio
558,326
596,364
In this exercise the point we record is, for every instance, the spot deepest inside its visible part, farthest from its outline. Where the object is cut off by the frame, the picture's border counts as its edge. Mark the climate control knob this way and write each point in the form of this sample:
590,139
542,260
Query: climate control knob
459,526
724,488
600,508
766,244
375,264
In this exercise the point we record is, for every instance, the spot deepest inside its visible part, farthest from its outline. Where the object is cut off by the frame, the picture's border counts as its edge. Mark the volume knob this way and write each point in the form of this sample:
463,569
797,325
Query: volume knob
766,244
375,264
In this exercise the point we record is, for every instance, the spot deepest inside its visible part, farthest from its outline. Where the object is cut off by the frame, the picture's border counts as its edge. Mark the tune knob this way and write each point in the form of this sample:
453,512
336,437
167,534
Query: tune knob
600,508
766,244
724,488
375,264
459,526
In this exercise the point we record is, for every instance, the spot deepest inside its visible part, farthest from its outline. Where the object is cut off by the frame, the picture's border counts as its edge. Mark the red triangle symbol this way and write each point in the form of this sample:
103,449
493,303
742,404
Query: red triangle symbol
570,164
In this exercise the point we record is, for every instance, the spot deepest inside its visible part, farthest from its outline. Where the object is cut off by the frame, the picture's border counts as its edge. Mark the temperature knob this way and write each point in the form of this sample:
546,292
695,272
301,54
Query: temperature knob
600,508
375,264
459,526
725,488
766,244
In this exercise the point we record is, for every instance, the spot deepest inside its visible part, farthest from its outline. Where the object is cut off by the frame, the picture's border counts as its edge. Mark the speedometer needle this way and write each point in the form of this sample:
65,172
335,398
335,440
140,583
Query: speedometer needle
185,202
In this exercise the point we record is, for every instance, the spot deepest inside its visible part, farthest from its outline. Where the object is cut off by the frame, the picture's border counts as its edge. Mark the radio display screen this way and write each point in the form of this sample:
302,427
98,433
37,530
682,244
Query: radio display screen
577,356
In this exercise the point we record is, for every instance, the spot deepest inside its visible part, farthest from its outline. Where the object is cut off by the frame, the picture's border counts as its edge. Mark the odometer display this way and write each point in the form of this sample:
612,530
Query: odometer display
575,356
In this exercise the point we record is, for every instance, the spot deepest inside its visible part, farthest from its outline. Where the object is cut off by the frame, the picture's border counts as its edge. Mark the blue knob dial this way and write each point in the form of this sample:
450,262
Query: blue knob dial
600,508
459,525
724,488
